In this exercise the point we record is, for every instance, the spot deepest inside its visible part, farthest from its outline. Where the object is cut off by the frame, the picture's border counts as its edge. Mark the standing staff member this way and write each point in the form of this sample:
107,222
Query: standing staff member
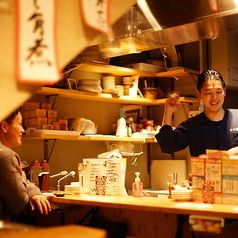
208,130
15,191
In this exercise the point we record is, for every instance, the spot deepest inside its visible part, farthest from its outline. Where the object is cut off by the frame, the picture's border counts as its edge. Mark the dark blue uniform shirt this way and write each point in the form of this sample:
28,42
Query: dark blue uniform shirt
200,133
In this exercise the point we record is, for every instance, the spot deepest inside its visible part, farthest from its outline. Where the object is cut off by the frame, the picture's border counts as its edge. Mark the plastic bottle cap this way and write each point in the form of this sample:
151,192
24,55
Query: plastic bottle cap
137,179
44,163
35,163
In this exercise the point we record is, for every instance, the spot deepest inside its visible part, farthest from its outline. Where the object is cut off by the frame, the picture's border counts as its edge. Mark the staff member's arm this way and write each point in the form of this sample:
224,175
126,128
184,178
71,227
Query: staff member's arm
171,106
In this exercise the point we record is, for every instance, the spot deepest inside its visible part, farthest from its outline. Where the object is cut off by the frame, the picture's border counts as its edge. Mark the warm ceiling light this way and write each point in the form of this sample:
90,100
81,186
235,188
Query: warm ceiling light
236,2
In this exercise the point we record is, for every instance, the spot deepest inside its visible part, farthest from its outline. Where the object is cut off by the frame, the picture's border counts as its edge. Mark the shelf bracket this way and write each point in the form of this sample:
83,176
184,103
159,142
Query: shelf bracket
148,159
47,155
46,148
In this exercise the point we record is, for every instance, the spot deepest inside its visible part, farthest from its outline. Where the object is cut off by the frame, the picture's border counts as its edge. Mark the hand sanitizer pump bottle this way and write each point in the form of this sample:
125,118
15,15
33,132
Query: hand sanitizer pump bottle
137,186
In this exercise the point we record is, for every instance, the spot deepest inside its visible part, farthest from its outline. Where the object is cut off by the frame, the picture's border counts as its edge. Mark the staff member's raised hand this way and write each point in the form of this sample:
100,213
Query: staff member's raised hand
172,104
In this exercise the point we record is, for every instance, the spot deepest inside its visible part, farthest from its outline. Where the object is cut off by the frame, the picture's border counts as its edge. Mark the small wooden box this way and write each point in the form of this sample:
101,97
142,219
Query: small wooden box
51,121
37,113
26,114
60,126
38,121
31,105
52,113
63,120
27,122
46,106
47,127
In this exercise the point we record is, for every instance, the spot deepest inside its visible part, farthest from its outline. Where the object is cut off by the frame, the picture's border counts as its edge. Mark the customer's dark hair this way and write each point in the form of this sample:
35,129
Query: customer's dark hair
13,114
209,74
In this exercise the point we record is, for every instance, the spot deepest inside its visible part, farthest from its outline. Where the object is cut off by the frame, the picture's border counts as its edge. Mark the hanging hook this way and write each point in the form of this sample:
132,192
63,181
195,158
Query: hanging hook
133,161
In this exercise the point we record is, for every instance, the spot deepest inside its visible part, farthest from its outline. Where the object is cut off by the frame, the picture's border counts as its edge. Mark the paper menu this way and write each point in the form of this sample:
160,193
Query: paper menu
104,176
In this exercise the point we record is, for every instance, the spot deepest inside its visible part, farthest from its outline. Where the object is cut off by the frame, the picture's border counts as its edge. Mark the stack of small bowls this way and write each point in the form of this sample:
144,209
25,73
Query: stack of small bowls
182,195
108,82
89,85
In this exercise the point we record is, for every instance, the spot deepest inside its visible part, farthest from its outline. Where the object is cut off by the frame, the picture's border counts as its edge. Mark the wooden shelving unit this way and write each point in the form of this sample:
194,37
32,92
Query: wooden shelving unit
104,97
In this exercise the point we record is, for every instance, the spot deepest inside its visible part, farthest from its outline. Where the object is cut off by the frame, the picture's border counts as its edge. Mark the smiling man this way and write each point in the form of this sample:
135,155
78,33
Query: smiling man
16,192
211,129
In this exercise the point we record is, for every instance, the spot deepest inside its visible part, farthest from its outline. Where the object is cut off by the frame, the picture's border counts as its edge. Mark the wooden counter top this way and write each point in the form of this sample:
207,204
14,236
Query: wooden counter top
163,205
72,231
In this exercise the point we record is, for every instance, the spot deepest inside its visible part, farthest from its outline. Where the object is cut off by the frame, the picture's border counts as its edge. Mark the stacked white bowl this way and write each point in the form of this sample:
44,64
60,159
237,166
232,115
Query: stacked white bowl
108,82
182,195
73,187
89,85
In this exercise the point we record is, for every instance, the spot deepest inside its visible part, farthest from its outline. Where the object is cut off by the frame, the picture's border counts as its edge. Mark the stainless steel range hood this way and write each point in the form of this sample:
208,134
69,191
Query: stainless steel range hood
153,24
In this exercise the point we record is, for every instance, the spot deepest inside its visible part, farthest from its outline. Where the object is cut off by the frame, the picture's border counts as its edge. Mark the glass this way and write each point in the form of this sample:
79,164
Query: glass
44,181
172,179
83,171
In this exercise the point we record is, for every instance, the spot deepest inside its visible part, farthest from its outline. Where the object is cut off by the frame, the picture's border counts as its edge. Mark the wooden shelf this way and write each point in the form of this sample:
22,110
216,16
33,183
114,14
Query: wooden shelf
104,97
94,138
123,71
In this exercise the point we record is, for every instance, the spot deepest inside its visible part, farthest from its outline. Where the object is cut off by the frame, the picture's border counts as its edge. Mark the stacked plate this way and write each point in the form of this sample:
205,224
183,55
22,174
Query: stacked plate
108,82
73,187
89,85
182,195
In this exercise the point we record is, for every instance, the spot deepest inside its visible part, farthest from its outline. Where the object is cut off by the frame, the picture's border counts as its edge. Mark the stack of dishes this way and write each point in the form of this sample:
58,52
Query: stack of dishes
73,188
182,195
108,82
89,85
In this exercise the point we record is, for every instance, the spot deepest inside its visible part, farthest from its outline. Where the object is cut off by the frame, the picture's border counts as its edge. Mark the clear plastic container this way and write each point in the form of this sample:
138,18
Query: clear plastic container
34,171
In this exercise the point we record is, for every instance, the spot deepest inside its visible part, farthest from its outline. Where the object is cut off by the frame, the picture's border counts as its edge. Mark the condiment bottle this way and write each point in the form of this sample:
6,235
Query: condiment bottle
137,186
35,170
45,166
150,125
121,125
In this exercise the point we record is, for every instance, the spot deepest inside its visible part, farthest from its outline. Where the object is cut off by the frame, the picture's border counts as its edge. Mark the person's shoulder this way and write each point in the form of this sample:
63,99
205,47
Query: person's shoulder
5,150
5,153
231,110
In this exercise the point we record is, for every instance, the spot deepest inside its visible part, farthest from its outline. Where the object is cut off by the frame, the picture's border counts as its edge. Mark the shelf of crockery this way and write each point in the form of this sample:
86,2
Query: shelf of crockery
91,138
105,97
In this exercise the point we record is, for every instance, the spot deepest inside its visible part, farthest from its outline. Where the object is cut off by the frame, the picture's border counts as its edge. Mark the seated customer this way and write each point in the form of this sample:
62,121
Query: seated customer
210,129
16,193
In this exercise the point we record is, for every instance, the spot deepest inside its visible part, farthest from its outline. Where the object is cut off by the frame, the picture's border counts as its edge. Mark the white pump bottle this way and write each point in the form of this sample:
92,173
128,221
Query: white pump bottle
137,186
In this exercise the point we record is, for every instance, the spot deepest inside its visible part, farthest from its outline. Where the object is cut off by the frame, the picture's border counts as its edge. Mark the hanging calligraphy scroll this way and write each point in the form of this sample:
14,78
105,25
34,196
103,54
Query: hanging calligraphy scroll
96,14
36,56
